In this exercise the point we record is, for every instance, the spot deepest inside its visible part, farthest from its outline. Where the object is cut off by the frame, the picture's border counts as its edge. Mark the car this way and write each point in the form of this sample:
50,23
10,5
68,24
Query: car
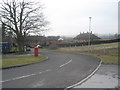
39,46
27,48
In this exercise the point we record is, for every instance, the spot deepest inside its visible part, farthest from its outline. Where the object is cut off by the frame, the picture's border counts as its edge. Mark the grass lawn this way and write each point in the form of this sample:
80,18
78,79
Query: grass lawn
107,52
20,60
109,59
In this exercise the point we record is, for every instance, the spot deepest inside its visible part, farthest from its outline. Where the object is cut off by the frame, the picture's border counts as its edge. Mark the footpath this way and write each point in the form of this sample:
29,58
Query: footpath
106,77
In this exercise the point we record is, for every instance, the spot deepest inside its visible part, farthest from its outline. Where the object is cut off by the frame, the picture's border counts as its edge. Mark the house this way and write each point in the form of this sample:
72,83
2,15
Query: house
84,37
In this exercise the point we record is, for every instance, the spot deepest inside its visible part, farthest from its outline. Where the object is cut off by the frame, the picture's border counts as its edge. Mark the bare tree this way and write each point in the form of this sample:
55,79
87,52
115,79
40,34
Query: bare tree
3,30
22,18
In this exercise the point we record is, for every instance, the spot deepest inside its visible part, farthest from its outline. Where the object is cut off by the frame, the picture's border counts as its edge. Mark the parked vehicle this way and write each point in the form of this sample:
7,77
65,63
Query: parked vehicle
28,49
39,46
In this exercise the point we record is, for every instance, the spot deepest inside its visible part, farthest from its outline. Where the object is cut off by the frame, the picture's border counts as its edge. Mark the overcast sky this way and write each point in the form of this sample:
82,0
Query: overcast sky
70,17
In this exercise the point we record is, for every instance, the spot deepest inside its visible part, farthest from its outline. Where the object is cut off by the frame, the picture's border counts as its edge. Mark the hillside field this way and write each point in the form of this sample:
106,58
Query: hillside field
107,52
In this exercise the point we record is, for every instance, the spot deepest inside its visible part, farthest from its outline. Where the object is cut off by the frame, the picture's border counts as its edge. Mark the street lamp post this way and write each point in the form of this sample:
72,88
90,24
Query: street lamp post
89,32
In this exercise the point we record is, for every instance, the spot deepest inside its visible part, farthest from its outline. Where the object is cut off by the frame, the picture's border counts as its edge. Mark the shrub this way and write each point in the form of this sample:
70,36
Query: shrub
53,46
14,49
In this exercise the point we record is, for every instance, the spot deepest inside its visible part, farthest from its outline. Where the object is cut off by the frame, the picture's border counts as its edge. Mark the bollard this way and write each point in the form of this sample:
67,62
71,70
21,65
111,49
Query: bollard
35,51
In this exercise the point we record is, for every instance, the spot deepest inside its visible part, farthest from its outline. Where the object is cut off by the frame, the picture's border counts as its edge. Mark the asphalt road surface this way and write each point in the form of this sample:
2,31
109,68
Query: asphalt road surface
59,71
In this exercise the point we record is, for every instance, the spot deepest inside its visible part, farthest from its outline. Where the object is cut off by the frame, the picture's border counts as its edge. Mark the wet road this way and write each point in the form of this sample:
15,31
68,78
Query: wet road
59,71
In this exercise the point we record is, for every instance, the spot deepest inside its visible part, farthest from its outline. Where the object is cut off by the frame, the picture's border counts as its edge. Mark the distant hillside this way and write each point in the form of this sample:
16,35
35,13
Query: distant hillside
109,36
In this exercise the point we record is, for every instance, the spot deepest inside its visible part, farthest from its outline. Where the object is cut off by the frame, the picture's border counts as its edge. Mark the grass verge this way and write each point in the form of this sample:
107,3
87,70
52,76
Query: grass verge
21,60
107,52
106,59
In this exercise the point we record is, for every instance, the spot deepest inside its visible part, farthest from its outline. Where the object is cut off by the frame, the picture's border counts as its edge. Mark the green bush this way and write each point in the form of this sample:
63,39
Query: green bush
14,49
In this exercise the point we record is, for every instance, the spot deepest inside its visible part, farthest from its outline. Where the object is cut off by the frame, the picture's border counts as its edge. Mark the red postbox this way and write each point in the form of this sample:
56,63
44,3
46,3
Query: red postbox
35,51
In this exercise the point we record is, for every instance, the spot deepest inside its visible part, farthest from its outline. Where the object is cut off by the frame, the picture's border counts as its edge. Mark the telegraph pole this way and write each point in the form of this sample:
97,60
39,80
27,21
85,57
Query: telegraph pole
89,33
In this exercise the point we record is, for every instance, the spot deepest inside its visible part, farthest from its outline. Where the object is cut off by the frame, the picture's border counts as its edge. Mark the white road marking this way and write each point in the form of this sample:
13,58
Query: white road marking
24,76
38,84
84,78
66,63
17,78
47,70
5,81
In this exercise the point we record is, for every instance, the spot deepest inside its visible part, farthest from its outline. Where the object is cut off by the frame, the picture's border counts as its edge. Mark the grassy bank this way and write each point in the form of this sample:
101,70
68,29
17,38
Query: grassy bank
107,52
21,60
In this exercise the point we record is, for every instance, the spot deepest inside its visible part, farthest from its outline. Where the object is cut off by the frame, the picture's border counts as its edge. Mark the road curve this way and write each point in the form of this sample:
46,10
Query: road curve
59,71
